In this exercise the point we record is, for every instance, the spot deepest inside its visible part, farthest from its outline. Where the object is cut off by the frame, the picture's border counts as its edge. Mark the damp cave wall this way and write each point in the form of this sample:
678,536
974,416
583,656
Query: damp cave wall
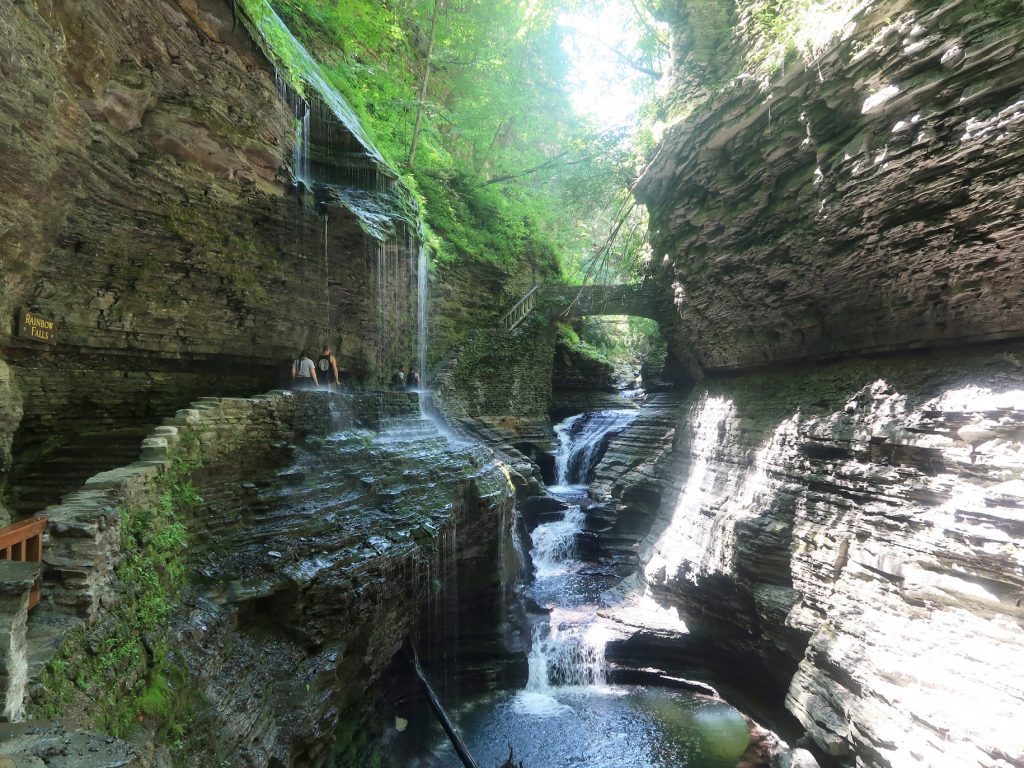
148,208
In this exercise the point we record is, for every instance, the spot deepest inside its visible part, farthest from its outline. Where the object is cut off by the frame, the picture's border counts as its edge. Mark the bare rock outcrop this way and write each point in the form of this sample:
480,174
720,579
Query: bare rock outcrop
867,200
851,537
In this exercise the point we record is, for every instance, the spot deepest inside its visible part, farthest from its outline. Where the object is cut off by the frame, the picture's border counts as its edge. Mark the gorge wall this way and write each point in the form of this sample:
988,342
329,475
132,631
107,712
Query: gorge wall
847,535
314,548
148,201
867,199
849,538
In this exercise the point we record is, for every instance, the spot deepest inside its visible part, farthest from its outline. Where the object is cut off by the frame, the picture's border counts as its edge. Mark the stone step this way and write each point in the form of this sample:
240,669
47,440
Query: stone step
16,583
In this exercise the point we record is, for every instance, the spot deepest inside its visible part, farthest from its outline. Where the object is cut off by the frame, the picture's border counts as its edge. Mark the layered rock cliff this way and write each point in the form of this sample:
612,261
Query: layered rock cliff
848,539
847,535
865,198
151,161
303,568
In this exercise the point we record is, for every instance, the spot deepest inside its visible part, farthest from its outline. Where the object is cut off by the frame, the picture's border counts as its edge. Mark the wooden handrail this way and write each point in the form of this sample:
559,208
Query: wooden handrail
520,310
22,542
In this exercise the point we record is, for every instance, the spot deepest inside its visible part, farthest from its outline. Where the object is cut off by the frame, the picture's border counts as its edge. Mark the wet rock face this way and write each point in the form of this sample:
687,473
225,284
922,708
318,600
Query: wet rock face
315,574
145,197
867,201
52,744
10,415
629,482
855,531
574,371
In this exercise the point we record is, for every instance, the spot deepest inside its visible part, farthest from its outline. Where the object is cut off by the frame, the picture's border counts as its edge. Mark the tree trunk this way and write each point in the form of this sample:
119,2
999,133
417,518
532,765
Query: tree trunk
423,85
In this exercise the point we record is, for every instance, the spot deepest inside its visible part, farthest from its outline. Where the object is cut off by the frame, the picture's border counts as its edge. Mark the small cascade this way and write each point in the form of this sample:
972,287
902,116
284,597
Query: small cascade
554,544
633,394
565,658
573,711
568,651
563,430
406,429
581,441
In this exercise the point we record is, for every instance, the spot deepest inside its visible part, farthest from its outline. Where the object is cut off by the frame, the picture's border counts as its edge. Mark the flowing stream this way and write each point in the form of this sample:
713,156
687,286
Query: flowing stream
568,714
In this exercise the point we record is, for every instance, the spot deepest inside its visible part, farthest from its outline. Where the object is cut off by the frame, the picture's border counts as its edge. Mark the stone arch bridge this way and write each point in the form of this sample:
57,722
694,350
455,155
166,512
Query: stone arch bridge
582,300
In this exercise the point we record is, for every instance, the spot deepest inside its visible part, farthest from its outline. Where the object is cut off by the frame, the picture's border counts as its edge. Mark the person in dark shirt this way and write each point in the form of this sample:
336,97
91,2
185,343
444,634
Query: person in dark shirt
327,369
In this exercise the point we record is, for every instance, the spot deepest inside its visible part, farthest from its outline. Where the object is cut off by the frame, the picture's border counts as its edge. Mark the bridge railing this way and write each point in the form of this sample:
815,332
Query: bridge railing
522,308
22,542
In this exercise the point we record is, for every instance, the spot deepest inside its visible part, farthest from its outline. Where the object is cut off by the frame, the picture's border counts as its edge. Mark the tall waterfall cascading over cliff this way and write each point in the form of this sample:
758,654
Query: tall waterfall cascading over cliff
336,167
877,549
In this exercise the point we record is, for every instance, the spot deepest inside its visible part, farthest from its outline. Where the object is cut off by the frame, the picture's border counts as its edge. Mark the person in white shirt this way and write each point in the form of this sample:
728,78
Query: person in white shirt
304,373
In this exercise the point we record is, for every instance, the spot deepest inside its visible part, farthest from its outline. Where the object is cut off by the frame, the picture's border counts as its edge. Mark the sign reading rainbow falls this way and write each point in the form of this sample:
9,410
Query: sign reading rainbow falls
37,328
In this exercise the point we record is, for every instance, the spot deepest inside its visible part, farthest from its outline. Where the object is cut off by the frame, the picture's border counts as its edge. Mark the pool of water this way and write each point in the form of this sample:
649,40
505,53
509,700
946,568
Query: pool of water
601,727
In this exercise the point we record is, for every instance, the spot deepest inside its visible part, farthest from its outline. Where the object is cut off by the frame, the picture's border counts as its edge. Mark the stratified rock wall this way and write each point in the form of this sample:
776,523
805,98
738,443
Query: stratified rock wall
857,529
147,207
317,585
868,200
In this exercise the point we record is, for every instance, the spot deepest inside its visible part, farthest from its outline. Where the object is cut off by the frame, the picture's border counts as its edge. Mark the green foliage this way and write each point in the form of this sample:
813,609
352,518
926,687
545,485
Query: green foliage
503,165
629,340
779,32
568,336
122,669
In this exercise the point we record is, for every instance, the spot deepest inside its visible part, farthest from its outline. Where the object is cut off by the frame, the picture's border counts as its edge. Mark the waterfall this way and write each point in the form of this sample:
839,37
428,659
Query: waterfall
300,151
421,298
580,442
554,544
334,163
564,653
567,652
565,659
327,277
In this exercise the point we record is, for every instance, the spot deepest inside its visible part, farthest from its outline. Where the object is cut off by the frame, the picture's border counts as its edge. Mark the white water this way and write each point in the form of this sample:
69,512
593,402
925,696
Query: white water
580,439
421,298
567,654
554,544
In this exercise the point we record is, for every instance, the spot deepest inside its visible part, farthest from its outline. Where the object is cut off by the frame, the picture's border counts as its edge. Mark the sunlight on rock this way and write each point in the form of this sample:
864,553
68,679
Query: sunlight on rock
706,543
711,418
876,101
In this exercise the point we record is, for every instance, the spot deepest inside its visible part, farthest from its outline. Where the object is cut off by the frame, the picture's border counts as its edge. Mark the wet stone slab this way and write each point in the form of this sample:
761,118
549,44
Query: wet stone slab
51,745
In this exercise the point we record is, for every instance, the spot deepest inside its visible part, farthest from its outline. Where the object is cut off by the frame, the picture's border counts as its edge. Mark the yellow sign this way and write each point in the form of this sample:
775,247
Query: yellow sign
36,328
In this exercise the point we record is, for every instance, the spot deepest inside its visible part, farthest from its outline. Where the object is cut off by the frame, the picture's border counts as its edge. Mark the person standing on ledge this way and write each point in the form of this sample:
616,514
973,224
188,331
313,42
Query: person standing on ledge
414,379
327,369
398,380
303,373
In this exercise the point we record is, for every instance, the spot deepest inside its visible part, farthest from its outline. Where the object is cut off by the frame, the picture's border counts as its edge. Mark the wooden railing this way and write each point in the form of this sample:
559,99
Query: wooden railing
23,542
522,308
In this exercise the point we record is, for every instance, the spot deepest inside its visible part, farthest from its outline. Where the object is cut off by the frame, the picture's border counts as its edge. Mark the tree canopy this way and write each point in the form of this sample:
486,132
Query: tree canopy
506,162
